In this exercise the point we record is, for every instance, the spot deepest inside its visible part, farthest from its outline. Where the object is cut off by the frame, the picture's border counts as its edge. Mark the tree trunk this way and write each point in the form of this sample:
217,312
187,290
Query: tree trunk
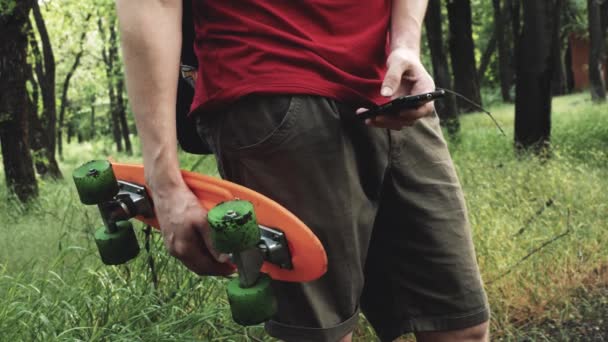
47,81
64,103
93,133
516,34
109,53
596,51
122,113
568,66
45,72
462,53
558,82
66,85
504,72
486,57
534,73
17,160
114,119
70,132
447,109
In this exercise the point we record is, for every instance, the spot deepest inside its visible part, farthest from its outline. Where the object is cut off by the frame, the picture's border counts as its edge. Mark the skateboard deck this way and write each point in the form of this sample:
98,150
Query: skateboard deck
308,258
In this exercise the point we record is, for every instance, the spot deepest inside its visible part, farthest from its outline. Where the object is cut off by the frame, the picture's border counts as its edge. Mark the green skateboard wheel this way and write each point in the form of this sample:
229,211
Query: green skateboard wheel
233,226
252,305
117,247
95,182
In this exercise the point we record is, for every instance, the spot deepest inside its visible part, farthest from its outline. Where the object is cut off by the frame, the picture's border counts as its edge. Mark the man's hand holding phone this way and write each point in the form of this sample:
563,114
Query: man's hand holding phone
405,76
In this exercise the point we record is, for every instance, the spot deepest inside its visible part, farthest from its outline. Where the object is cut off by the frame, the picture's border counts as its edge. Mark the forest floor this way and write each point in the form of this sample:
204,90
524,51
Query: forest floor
591,325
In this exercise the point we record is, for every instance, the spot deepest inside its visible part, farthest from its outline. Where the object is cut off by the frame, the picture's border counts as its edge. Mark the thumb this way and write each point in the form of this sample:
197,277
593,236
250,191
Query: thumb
392,79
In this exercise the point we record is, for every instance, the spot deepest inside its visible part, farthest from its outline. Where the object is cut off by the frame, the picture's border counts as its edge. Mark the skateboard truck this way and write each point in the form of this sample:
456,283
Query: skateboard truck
132,200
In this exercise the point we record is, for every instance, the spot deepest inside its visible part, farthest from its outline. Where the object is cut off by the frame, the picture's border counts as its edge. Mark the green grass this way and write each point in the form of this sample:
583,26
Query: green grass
53,286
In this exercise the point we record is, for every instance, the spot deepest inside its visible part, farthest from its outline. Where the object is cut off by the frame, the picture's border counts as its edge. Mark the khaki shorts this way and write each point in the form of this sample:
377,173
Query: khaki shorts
387,206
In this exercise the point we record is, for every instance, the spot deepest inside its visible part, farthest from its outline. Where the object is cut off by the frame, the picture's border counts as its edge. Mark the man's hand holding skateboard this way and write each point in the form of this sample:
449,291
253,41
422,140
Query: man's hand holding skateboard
185,231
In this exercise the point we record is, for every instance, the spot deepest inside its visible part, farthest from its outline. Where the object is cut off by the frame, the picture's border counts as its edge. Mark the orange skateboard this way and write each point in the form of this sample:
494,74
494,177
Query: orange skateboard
264,239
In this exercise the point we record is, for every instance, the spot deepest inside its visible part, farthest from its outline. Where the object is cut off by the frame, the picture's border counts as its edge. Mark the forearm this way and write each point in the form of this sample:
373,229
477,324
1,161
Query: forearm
151,42
406,24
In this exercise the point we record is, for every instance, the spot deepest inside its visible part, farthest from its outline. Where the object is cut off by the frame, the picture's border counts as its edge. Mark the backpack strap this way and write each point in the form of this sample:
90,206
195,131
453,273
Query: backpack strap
187,135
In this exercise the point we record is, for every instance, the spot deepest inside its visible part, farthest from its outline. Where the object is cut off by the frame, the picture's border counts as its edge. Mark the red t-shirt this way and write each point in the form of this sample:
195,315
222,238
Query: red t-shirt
332,48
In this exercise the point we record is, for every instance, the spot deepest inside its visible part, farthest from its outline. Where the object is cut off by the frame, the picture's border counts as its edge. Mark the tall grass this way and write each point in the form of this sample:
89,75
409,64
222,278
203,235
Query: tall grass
540,229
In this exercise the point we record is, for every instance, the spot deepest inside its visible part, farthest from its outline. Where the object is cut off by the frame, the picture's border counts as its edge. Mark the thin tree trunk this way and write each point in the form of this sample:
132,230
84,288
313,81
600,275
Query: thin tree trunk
92,137
500,23
486,57
16,157
558,82
122,113
45,72
109,53
596,52
516,32
114,120
447,109
70,132
534,73
568,66
66,85
47,81
462,53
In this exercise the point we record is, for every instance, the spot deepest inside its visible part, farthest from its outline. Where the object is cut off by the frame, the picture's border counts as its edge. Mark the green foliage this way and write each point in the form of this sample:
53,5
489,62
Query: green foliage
574,17
7,7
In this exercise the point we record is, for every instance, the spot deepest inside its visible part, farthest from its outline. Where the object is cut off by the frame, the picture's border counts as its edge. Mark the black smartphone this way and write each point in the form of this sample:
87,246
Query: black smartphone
404,102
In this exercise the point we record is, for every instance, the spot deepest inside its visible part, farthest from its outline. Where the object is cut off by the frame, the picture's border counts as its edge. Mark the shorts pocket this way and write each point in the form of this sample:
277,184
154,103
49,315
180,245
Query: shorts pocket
258,122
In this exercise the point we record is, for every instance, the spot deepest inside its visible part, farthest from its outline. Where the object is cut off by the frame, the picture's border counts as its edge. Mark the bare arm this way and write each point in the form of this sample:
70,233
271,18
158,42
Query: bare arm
406,24
151,42
405,75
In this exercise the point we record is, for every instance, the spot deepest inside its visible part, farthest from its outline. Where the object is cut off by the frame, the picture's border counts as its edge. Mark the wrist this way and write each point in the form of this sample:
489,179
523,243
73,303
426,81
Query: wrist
406,35
162,172
411,50
411,55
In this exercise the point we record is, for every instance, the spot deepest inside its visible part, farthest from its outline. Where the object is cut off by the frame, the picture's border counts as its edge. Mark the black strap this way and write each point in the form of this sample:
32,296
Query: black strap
187,135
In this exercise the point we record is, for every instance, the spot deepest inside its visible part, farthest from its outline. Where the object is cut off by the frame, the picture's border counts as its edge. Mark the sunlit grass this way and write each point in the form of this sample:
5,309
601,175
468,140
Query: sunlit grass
53,286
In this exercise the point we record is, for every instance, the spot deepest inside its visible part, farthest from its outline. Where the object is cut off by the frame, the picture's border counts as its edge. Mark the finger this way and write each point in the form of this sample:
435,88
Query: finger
205,234
392,79
416,113
189,249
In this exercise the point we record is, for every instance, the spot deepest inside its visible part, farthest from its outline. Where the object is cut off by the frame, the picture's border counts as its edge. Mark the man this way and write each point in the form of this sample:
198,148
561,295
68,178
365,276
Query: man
277,94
